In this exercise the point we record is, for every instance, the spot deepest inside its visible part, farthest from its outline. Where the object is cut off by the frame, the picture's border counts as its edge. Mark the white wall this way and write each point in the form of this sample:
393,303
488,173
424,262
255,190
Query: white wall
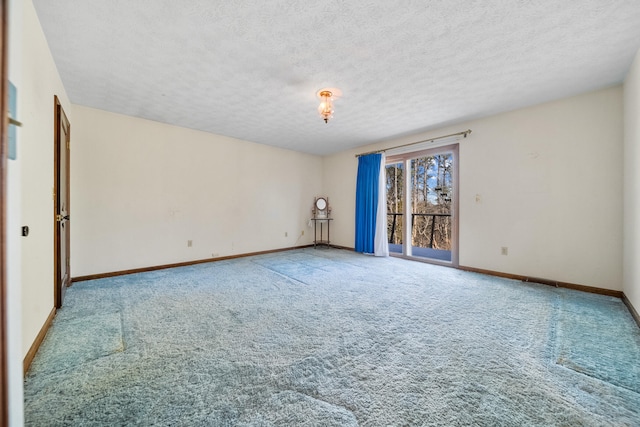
550,182
632,184
14,256
141,189
39,83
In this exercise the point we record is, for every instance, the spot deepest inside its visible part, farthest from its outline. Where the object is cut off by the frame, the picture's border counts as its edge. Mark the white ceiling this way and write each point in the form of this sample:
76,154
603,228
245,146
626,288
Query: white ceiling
251,69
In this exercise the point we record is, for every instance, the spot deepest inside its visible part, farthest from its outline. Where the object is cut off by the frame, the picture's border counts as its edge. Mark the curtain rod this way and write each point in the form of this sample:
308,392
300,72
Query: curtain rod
465,133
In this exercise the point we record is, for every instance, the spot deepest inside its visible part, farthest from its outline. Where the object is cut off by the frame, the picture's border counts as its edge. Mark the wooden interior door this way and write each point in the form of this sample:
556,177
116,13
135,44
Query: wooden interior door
62,211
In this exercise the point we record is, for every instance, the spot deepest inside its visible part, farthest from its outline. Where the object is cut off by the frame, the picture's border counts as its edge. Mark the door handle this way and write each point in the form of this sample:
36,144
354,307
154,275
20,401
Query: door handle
62,218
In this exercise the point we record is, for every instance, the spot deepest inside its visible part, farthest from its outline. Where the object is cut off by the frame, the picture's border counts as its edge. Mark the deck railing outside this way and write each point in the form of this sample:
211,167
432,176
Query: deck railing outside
433,223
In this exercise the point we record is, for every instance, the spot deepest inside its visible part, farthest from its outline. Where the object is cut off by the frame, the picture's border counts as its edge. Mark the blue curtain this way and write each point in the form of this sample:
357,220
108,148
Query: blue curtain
367,191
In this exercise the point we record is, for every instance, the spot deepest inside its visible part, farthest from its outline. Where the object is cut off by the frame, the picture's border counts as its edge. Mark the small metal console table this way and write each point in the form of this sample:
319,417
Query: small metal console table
321,241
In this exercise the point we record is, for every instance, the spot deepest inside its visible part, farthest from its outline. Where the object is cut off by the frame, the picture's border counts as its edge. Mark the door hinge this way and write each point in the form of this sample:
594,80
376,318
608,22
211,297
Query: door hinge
58,218
68,145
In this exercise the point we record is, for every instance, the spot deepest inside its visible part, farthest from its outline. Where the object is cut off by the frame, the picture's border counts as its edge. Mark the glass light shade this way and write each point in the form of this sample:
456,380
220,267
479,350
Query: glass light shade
326,105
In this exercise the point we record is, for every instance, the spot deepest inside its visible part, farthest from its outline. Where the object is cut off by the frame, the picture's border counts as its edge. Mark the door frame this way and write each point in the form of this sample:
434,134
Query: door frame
405,159
4,124
59,118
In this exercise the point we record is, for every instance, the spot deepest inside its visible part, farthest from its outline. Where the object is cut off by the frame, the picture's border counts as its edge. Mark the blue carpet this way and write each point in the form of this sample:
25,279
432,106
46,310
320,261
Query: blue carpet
333,338
604,323
101,336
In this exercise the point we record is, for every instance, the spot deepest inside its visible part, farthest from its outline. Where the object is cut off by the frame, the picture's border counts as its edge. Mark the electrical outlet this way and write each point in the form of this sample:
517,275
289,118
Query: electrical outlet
189,243
505,250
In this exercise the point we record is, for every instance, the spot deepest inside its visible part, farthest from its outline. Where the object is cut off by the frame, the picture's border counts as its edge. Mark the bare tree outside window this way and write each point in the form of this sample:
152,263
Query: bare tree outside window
431,196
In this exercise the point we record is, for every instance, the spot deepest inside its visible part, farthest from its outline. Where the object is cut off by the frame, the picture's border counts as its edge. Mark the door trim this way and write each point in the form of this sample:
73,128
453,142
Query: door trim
59,115
4,351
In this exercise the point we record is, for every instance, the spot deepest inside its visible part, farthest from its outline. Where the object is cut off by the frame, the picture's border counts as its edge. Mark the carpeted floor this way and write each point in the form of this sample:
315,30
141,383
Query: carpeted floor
328,337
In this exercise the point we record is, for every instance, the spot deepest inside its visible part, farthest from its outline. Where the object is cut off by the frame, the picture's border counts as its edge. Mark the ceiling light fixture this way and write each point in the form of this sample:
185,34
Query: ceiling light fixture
326,104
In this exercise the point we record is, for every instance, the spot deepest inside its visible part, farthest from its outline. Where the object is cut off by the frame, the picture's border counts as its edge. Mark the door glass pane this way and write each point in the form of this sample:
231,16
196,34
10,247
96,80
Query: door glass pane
395,206
431,196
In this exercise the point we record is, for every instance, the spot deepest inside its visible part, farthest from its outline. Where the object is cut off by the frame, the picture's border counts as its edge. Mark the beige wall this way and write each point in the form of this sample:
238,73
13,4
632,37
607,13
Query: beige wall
550,182
39,83
141,189
632,184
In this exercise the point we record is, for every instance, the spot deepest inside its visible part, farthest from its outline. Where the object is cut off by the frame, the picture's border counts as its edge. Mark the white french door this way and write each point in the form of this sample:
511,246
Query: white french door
422,204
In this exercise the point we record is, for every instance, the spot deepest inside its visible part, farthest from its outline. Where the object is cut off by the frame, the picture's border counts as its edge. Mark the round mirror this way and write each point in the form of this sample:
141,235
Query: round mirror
321,204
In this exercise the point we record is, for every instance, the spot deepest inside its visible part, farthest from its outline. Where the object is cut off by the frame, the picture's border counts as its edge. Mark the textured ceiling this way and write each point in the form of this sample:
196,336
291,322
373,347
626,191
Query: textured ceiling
250,69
